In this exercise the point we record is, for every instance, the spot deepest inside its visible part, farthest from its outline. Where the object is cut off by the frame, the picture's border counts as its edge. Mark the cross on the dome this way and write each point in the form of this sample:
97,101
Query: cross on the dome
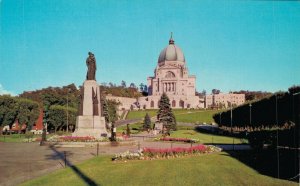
171,41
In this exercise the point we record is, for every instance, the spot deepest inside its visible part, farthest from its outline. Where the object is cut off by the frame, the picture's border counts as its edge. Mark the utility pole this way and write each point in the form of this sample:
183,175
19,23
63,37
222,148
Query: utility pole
68,111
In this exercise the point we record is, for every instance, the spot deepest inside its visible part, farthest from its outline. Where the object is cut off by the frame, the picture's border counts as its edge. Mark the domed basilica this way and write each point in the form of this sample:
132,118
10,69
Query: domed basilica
171,76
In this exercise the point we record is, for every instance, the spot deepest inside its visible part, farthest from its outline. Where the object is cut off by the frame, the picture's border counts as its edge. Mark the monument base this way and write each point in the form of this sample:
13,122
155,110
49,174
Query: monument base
90,126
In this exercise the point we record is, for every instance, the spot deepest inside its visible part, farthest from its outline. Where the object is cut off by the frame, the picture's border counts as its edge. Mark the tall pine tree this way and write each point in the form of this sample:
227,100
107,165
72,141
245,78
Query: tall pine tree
165,114
147,122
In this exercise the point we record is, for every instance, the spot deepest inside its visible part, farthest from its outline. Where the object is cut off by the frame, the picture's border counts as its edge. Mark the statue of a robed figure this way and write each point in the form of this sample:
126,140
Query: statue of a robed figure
92,67
89,121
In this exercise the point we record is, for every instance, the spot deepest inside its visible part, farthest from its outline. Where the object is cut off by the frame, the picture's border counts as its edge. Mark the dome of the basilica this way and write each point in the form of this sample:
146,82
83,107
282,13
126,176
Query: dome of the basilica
171,53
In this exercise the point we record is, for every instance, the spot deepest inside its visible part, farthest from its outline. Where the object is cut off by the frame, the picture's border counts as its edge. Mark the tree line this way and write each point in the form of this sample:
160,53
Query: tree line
12,109
249,95
266,120
59,106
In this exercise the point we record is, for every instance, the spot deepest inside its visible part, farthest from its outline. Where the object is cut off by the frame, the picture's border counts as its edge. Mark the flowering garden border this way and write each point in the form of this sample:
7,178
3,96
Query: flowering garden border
153,153
57,138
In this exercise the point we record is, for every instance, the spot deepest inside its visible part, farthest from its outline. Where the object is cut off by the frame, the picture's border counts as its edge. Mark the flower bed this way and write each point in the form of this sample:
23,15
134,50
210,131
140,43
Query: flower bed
186,140
56,138
77,139
152,153
129,156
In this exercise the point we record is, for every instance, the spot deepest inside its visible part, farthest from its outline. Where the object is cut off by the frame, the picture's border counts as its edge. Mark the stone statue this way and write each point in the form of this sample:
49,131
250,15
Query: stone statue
95,102
81,97
91,64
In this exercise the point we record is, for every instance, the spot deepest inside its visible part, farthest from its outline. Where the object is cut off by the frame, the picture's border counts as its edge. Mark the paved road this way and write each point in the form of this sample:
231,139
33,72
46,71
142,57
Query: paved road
24,161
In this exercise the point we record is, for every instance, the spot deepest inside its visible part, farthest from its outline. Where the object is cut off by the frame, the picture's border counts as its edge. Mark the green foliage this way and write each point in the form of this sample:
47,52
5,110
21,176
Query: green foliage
112,110
294,89
28,135
105,110
67,96
8,110
279,108
14,108
165,114
60,115
27,112
253,95
147,122
111,115
121,91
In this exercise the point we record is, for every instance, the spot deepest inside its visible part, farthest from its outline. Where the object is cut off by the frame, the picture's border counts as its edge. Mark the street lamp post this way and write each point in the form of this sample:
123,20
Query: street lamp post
68,111
294,118
276,110
231,126
250,119
231,121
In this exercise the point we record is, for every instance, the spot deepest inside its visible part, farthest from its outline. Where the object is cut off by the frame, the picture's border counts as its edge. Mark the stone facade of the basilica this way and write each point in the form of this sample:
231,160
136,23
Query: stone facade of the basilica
171,76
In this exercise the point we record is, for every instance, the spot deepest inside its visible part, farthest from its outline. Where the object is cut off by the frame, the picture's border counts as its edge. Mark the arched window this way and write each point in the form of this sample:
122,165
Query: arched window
152,104
173,103
181,104
170,74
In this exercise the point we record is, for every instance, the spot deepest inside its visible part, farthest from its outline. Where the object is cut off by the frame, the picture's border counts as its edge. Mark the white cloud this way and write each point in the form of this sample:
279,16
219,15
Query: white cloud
3,91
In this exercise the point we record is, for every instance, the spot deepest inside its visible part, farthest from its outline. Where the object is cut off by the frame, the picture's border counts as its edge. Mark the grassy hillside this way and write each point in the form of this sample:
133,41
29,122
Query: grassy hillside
182,115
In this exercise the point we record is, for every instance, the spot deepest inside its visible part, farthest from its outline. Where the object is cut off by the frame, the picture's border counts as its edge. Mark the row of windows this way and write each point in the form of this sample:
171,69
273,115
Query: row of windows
173,104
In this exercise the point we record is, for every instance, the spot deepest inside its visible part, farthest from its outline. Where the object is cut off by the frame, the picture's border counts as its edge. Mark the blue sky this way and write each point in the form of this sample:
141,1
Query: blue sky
229,45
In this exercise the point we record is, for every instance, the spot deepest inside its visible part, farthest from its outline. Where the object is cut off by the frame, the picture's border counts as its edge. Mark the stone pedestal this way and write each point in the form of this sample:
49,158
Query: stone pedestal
89,122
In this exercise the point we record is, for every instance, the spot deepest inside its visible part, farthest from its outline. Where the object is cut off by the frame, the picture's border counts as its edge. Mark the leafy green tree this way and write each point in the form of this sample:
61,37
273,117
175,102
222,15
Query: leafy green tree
142,87
112,116
71,118
147,122
105,111
132,85
59,116
67,96
165,114
112,110
123,84
27,112
8,110
56,116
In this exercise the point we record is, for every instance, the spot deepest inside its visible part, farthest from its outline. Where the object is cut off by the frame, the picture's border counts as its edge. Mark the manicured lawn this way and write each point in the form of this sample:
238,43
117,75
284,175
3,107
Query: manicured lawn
133,128
196,116
22,137
209,169
136,114
182,115
206,138
15,138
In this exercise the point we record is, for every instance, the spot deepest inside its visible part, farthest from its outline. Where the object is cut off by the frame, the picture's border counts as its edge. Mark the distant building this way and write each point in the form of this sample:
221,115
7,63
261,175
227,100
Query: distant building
37,128
171,76
222,100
